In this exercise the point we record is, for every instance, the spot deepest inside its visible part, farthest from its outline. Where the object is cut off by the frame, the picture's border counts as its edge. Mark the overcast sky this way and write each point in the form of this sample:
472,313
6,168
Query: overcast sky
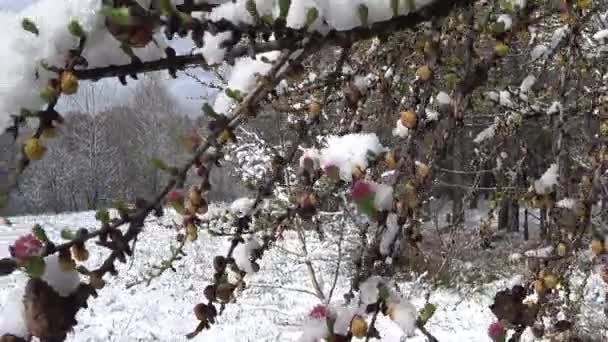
183,88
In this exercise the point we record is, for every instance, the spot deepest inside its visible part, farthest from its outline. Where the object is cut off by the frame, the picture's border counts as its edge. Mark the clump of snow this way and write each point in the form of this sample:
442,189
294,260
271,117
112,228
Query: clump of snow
506,20
558,35
527,83
243,77
212,49
544,252
555,108
344,316
492,96
331,14
242,206
443,98
243,252
383,198
486,134
12,315
349,151
390,233
431,115
314,330
400,130
404,314
505,99
515,258
64,282
601,35
23,51
567,203
369,291
546,182
538,51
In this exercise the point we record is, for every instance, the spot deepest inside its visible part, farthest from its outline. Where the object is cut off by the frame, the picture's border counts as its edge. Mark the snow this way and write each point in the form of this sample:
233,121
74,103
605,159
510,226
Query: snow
243,253
400,130
486,134
369,291
544,252
383,197
567,203
505,99
390,233
546,182
349,151
506,20
431,115
558,35
600,35
538,51
266,310
314,330
331,14
243,77
555,108
212,50
242,206
64,282
344,316
527,83
24,50
12,316
443,98
404,315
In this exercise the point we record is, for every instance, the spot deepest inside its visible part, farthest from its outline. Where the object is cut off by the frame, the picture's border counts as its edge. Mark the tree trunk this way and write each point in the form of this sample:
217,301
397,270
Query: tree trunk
503,215
514,217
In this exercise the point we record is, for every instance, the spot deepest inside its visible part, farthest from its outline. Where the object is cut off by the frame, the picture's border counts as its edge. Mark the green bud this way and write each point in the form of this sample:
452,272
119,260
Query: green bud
311,16
75,29
29,26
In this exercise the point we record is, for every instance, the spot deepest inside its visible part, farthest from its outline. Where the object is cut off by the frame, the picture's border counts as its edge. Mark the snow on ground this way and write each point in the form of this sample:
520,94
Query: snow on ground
271,308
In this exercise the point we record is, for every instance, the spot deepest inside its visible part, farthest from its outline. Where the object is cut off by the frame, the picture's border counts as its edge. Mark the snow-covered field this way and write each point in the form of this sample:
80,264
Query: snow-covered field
271,308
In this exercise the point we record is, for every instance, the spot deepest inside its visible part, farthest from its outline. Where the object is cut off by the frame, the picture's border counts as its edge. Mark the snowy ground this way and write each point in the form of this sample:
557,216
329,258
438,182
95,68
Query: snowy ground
272,308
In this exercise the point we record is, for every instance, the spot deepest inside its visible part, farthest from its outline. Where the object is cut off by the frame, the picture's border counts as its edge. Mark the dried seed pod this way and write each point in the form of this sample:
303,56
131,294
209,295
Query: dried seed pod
358,327
69,83
424,73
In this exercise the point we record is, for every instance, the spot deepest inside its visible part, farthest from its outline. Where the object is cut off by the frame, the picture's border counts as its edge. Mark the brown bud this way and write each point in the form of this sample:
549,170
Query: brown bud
209,293
200,311
80,252
96,281
219,263
224,292
409,119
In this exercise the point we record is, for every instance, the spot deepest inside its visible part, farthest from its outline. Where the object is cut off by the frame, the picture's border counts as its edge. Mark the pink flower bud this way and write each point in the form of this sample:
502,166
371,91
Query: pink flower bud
175,196
319,312
496,331
26,246
361,191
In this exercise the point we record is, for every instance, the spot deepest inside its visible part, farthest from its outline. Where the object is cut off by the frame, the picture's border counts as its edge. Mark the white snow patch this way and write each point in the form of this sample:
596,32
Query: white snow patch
243,252
391,231
546,182
242,206
443,98
544,252
400,130
486,134
349,151
212,49
64,282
